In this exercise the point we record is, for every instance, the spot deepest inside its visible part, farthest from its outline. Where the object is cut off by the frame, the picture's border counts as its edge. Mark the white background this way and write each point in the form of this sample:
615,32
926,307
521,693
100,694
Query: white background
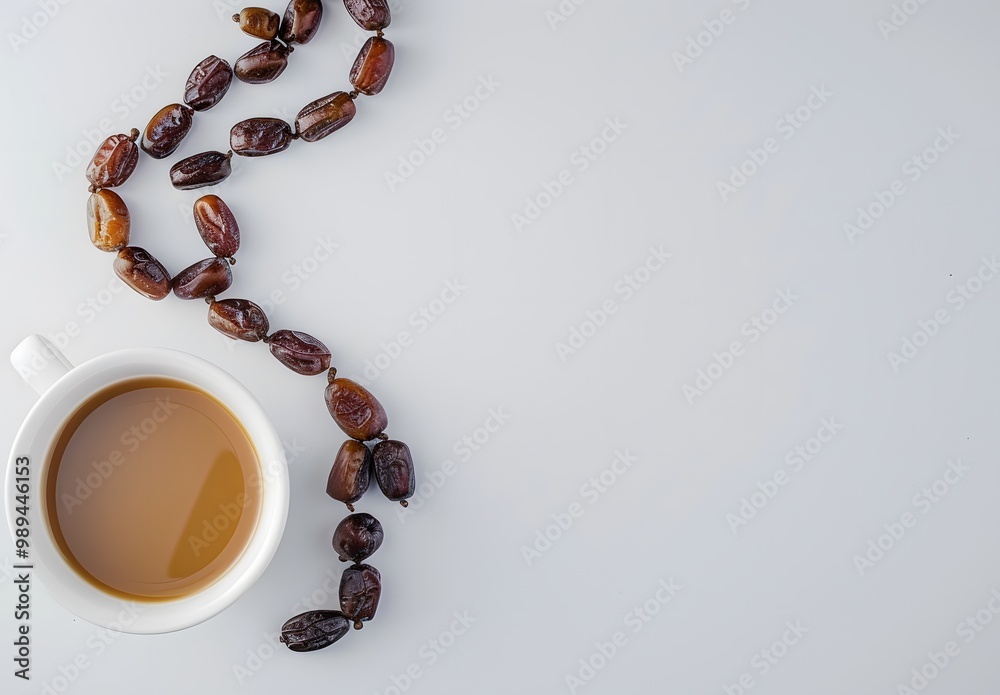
495,347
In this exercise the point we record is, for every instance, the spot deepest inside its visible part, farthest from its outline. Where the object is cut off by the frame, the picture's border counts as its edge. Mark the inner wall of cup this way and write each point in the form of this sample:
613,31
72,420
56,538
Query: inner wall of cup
49,515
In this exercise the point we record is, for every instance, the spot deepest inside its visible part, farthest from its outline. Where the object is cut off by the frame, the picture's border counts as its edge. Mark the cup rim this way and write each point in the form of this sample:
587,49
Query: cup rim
35,438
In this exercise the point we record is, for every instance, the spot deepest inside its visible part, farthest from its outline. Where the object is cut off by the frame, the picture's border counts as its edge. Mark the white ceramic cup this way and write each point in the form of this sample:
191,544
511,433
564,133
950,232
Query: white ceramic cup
62,389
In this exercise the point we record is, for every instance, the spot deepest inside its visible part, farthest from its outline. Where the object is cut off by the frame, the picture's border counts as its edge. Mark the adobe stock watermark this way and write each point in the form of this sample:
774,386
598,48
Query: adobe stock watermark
349,49
291,280
591,491
764,661
31,24
123,105
580,160
430,653
40,359
714,28
257,656
635,620
914,169
956,300
623,290
465,448
795,461
293,450
453,118
6,570
786,127
562,12
899,17
967,631
923,502
96,644
132,439
87,311
217,528
261,653
225,9
420,321
754,328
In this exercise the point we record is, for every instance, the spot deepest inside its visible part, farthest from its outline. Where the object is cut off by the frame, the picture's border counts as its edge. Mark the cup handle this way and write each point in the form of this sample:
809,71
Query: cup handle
39,363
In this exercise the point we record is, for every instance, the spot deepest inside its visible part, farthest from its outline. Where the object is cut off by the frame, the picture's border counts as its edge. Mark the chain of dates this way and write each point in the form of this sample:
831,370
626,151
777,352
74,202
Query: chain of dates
353,407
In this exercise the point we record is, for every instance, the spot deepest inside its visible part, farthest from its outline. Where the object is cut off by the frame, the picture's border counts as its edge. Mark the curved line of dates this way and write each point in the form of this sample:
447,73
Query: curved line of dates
352,407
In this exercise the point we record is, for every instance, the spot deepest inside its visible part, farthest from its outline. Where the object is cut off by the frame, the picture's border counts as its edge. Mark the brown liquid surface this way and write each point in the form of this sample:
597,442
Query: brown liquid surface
153,489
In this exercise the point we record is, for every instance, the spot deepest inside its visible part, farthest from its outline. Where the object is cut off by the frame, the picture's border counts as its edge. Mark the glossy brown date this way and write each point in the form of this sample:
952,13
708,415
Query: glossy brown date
301,21
205,278
300,352
357,537
319,118
108,220
258,22
208,83
256,137
240,319
355,409
371,69
393,466
263,63
143,273
114,160
200,170
314,630
217,226
166,129
371,15
360,590
351,473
